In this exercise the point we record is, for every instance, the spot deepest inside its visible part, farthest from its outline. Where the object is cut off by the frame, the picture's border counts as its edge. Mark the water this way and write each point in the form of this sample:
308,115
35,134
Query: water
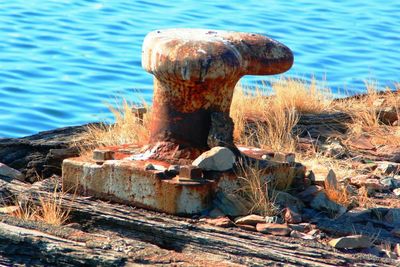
61,60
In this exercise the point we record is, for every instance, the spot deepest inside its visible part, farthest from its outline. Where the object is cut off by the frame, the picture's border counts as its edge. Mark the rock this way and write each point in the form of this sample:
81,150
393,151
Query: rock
393,216
390,182
390,254
334,149
9,209
284,199
351,242
215,213
388,115
321,202
301,227
173,169
232,204
371,182
308,194
274,219
273,229
220,222
397,249
331,180
389,168
10,172
221,130
396,191
297,234
41,155
149,167
292,215
250,219
216,159
247,227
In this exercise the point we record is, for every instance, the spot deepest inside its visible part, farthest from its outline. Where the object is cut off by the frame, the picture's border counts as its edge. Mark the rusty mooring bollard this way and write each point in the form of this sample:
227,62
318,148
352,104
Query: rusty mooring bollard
195,72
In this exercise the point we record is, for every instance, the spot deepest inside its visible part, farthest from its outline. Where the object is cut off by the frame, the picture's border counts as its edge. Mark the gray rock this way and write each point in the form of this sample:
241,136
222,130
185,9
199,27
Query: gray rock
321,202
334,149
216,159
251,219
232,204
351,242
273,219
388,167
221,130
309,194
331,180
284,200
396,191
10,172
390,182
393,216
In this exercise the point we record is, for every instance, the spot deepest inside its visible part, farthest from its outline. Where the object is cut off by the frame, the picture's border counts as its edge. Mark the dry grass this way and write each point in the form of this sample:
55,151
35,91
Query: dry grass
48,209
340,196
363,199
257,189
128,128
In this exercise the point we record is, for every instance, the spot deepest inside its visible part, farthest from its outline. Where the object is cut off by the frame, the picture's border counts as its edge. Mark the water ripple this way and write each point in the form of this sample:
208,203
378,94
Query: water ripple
60,60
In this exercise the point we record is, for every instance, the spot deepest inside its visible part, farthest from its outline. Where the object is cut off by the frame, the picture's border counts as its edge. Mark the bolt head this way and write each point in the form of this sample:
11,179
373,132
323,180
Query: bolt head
190,172
101,155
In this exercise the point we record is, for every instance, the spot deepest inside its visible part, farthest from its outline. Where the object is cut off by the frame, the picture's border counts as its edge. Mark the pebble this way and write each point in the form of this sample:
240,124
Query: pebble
273,229
250,220
11,173
351,242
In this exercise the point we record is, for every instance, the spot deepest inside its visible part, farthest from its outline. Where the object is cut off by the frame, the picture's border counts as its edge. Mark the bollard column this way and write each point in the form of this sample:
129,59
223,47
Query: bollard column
195,73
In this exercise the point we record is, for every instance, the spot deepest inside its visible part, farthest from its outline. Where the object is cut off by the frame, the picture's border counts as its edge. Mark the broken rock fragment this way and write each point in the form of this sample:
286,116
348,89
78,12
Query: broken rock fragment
250,219
216,159
10,172
273,229
351,242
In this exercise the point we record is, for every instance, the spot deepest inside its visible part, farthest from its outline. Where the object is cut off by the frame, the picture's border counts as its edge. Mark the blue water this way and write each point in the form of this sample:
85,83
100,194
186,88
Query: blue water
61,60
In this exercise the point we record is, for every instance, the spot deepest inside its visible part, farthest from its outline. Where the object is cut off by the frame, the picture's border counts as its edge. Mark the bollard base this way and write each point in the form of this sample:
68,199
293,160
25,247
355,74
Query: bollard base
149,184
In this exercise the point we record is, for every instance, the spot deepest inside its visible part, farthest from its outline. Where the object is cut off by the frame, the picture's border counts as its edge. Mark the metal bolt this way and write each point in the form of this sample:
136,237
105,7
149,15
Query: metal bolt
101,155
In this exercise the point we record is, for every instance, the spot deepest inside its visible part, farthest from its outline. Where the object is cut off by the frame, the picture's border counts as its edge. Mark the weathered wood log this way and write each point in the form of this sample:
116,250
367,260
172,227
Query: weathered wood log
193,238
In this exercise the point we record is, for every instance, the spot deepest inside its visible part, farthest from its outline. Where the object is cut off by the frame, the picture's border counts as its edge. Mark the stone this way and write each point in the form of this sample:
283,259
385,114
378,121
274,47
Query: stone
390,182
292,215
331,181
397,249
391,255
351,242
334,149
388,115
190,172
389,168
247,227
369,181
393,216
215,213
221,130
322,203
297,234
301,227
396,191
149,167
274,219
273,229
9,209
309,194
232,204
216,159
11,173
251,219
284,199
223,222
195,72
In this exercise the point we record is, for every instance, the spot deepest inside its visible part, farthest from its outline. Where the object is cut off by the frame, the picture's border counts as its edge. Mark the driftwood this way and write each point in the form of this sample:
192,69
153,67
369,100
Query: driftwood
129,235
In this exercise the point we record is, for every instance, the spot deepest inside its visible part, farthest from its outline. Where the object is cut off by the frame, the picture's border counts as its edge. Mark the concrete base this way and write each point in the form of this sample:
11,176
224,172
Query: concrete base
127,181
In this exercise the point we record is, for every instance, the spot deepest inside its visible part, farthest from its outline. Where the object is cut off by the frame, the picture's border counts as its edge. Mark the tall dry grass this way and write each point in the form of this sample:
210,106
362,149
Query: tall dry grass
265,117
257,189
128,128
